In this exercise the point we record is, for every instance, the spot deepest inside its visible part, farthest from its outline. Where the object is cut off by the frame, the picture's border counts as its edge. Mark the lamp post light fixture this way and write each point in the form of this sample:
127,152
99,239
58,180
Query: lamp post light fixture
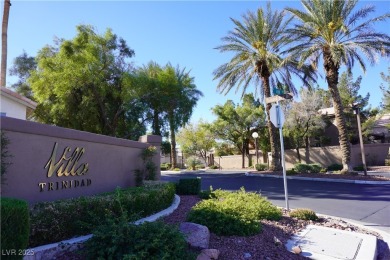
255,135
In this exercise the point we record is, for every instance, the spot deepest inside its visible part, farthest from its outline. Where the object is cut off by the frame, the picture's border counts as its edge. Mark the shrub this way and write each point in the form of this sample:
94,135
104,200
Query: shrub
189,186
163,167
233,213
323,170
192,161
261,167
335,167
199,166
116,239
304,214
15,224
214,167
302,168
50,221
358,168
176,169
315,168
291,172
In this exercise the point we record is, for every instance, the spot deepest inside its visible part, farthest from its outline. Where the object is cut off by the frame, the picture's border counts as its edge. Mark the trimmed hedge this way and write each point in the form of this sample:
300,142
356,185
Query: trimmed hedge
15,225
189,186
307,168
261,167
63,219
335,167
233,213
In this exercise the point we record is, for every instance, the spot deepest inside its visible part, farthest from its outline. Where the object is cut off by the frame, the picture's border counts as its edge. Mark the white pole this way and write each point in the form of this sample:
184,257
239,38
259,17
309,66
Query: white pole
282,154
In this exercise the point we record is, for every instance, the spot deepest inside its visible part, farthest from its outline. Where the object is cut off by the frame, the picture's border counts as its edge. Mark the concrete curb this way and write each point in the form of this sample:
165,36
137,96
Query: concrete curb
49,250
319,179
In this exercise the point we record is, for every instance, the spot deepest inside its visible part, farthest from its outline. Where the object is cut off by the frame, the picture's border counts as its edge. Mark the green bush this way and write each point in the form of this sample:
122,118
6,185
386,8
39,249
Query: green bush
189,186
291,172
358,168
261,167
214,167
116,239
323,170
233,213
15,225
335,167
176,169
50,221
302,168
192,161
199,166
163,167
315,168
304,214
307,168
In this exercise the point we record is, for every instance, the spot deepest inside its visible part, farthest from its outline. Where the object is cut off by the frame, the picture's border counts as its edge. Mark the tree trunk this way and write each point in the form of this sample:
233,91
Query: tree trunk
156,124
4,35
275,162
243,153
298,154
307,151
332,77
173,141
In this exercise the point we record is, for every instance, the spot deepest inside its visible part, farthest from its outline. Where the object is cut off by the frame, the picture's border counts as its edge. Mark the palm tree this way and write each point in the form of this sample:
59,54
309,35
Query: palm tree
332,31
257,44
181,97
4,35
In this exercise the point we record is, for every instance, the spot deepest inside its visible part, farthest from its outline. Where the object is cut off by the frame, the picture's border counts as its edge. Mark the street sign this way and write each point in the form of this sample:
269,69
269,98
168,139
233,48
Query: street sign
276,116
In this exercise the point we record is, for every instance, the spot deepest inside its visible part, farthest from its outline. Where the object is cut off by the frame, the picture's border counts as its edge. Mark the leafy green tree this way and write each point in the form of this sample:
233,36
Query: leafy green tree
235,123
257,43
85,83
303,120
196,139
22,67
386,90
225,148
331,30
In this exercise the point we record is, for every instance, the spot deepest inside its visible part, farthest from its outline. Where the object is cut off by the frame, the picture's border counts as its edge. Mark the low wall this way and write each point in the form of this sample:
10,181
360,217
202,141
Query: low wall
50,163
325,156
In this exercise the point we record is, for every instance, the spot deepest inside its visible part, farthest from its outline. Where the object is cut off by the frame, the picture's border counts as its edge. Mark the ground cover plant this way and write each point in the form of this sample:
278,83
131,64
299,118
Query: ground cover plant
304,214
51,221
233,213
117,239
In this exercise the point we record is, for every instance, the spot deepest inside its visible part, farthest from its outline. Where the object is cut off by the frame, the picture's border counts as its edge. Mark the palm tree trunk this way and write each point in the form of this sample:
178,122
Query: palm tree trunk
4,35
275,162
173,141
332,77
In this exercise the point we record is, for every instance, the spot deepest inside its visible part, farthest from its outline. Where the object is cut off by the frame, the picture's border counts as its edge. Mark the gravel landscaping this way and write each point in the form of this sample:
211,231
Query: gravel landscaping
263,245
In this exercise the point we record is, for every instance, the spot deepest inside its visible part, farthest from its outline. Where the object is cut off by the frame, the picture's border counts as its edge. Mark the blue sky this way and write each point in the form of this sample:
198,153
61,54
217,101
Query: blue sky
179,32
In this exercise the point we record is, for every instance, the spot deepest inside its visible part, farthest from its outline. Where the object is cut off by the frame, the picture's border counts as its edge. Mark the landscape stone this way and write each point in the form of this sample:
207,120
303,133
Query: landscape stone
196,235
212,253
203,256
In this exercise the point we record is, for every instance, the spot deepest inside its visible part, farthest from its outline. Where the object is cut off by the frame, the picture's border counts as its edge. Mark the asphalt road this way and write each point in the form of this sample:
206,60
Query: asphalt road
369,204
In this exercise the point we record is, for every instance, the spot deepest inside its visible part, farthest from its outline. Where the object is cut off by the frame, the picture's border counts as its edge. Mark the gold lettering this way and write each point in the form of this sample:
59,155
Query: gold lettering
66,165
41,185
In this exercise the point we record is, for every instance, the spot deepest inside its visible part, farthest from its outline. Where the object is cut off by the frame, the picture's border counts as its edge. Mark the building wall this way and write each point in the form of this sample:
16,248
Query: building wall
50,163
12,108
325,156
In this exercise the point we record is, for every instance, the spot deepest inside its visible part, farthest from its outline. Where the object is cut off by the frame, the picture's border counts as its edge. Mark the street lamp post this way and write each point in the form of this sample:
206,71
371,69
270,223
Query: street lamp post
255,135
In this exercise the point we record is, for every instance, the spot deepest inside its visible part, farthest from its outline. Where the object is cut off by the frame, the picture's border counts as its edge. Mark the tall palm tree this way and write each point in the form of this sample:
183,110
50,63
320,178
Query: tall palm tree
180,100
332,31
257,44
4,36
